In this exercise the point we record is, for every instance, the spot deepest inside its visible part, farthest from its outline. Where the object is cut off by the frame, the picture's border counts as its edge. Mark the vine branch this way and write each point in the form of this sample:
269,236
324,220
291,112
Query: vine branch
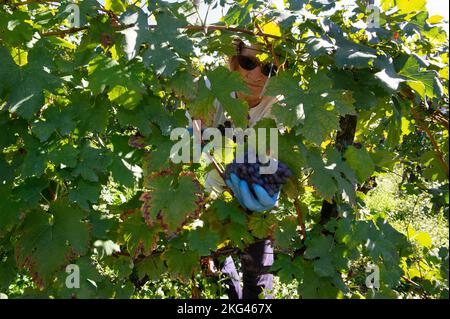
422,125
206,29
300,218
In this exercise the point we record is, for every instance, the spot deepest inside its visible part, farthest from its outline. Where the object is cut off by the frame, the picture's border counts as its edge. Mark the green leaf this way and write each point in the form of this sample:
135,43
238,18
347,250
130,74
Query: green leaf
8,71
238,234
149,111
6,172
85,193
102,226
30,190
15,30
49,241
152,266
183,84
66,155
285,232
129,99
34,163
92,162
202,107
174,199
420,81
138,33
334,176
27,97
291,113
223,83
388,77
161,157
90,281
353,55
117,6
164,60
316,286
139,237
9,210
360,161
183,263
407,6
55,119
319,123
90,114
322,178
260,224
229,210
203,240
423,239
319,47
287,269
290,150
122,172
433,166
8,271
315,110
320,247
104,73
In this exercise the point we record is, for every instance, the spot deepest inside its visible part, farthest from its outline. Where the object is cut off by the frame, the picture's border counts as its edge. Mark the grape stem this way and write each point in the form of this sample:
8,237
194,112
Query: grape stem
216,165
300,218
422,125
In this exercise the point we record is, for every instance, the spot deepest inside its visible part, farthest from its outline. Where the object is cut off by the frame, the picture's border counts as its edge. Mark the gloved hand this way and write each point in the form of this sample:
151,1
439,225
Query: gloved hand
242,192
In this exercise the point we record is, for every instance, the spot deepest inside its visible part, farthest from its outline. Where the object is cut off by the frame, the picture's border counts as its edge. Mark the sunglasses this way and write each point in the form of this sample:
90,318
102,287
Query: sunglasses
249,63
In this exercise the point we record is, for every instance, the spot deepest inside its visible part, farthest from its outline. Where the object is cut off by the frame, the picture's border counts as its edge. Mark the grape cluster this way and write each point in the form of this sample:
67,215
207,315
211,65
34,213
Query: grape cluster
250,173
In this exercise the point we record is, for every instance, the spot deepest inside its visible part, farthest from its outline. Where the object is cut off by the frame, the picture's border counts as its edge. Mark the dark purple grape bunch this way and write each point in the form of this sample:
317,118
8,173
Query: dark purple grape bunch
250,172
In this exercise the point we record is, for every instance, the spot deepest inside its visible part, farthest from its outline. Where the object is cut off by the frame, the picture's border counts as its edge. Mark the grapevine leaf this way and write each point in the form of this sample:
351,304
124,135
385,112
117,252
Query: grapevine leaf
322,178
173,201
85,193
152,266
117,6
138,33
285,232
229,210
48,241
66,155
287,269
183,263
420,81
202,107
139,237
203,240
223,83
183,84
9,210
8,71
353,55
92,161
360,161
260,225
30,191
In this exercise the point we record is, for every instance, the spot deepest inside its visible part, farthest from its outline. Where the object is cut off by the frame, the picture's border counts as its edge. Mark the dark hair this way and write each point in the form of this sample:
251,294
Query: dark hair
240,46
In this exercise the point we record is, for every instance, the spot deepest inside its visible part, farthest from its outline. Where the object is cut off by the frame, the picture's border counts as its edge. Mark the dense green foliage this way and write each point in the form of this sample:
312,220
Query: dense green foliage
76,190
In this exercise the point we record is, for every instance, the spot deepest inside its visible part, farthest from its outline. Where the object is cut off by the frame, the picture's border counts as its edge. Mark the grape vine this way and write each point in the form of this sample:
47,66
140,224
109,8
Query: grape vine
86,114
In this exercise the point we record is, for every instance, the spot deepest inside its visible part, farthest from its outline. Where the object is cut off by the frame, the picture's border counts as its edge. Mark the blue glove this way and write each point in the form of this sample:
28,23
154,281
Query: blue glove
242,192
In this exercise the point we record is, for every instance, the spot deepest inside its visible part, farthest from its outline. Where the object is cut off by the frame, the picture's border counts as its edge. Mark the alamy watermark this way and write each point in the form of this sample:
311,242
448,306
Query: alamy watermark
74,15
256,145
373,279
73,279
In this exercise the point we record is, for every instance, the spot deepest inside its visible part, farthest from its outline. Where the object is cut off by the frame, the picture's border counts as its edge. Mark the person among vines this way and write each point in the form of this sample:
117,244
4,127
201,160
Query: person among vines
258,257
